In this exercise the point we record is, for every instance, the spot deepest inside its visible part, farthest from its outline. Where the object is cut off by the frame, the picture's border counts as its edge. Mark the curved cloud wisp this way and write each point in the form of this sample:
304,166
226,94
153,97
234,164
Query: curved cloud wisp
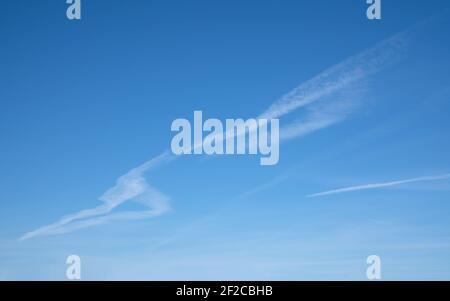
130,187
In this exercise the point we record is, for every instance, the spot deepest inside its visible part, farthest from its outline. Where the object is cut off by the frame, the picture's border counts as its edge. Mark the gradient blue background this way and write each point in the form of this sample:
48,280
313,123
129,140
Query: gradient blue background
83,102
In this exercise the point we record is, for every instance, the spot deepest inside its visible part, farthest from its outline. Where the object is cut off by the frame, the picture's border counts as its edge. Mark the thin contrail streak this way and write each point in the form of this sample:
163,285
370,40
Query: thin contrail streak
380,185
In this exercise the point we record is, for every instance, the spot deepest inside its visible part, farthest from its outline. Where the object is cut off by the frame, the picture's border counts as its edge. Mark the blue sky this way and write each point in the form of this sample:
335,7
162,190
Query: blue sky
84,102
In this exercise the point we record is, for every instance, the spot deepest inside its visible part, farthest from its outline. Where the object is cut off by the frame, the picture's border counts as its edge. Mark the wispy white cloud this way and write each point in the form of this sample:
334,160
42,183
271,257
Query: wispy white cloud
341,75
322,116
380,185
327,98
130,187
331,96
